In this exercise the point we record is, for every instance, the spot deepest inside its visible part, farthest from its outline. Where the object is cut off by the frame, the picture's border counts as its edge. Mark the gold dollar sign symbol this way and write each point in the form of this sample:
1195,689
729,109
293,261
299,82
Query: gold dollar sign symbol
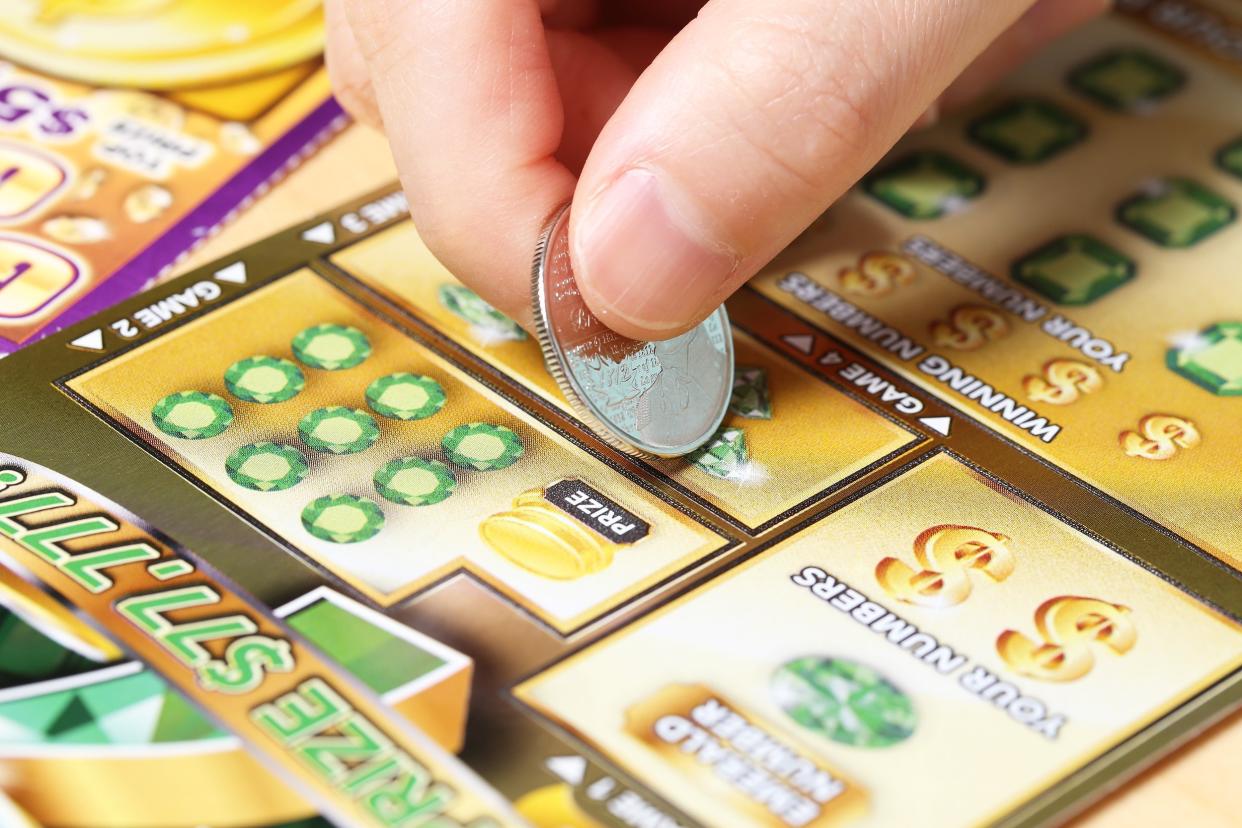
1068,625
876,274
946,553
969,328
1063,382
1159,437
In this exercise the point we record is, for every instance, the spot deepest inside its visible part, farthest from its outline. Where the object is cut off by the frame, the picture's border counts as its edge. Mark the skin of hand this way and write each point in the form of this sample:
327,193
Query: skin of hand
696,139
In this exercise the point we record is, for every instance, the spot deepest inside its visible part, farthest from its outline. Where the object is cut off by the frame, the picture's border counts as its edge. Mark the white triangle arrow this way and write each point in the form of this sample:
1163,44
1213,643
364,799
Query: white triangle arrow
323,233
92,341
939,424
831,358
234,273
569,768
802,342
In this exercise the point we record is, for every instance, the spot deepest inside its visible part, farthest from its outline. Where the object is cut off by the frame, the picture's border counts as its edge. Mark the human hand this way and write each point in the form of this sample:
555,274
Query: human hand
697,139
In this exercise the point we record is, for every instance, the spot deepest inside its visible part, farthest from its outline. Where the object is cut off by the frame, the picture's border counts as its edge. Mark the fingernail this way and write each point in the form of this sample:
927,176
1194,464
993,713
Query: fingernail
639,260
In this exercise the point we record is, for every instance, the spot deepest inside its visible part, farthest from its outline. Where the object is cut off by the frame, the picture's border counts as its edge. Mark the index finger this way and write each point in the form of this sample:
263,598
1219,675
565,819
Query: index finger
470,104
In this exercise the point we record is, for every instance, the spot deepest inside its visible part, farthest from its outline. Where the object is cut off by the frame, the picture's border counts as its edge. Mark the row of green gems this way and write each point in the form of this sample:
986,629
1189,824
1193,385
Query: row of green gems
413,481
264,379
482,446
192,415
338,430
343,518
405,396
267,467
331,347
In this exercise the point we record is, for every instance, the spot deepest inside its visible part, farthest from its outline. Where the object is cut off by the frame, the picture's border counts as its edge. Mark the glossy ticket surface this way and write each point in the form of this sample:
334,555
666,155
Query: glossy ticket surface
963,551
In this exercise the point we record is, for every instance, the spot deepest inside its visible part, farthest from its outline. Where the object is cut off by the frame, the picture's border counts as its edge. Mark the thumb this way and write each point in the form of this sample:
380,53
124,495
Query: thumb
754,119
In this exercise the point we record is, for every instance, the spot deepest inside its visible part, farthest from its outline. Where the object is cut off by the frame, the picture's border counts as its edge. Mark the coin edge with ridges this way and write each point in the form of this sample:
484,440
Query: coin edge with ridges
553,359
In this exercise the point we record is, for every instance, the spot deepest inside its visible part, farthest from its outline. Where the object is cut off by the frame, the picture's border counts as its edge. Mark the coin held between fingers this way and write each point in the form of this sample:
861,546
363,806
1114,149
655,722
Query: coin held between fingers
662,399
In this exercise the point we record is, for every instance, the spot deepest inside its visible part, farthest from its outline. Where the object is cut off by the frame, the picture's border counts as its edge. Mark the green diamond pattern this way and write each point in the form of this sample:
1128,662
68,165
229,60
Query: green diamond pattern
1027,131
343,518
264,379
924,185
750,393
1127,80
725,456
467,305
338,430
267,467
192,415
482,446
1176,212
331,347
1074,270
844,701
405,396
138,708
1213,359
413,481
1230,157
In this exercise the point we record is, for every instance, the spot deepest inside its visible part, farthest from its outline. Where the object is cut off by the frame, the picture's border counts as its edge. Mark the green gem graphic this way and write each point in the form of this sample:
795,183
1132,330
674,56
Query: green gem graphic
413,481
1230,158
924,185
264,379
192,415
338,430
82,704
405,396
1027,131
725,456
343,518
1074,270
1212,359
482,446
1128,80
844,701
750,393
266,467
133,709
331,347
464,303
1176,212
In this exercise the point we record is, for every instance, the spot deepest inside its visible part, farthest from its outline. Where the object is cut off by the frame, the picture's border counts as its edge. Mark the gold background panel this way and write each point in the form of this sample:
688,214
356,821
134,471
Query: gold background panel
967,761
817,438
794,457
1175,292
418,545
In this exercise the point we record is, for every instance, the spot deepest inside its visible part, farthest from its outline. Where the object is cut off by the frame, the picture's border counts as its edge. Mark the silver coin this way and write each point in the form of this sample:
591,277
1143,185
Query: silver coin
663,398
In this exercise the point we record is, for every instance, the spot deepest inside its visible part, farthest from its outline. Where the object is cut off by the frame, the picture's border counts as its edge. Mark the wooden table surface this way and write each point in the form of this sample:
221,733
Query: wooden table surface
1198,786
